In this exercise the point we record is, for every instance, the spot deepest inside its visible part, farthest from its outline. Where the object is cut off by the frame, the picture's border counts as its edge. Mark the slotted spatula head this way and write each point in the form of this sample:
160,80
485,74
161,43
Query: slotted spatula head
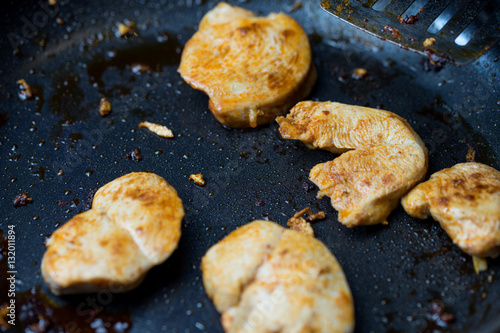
457,31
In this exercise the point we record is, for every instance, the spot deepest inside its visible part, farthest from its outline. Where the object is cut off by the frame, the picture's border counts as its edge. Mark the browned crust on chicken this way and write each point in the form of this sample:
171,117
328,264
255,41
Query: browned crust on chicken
465,200
382,157
264,278
252,68
134,224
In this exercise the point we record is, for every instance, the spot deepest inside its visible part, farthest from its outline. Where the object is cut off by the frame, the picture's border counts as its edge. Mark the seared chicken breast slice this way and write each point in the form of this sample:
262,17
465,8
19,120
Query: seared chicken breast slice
253,69
465,200
264,278
134,224
381,159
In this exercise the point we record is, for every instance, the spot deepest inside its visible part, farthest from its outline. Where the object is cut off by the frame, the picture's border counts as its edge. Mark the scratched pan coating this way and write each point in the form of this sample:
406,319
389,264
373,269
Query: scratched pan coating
394,271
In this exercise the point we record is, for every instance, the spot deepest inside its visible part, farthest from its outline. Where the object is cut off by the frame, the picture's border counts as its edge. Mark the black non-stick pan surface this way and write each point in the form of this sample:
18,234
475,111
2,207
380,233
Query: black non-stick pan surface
400,274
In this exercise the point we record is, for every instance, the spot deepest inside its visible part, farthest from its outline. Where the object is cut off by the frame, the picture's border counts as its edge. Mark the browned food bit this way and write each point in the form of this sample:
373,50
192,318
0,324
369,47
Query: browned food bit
134,155
359,73
104,107
308,187
159,130
259,203
298,223
61,203
408,19
395,32
25,91
471,154
22,200
438,319
197,179
59,21
4,325
89,199
480,264
429,42
139,68
127,29
52,2
296,6
315,216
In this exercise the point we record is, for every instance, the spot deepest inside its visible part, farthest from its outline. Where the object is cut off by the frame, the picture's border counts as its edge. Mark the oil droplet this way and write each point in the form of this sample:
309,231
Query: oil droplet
158,152
67,192
89,172
13,179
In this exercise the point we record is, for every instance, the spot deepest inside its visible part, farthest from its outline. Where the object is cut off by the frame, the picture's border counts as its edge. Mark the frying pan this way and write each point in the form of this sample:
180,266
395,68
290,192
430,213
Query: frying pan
71,56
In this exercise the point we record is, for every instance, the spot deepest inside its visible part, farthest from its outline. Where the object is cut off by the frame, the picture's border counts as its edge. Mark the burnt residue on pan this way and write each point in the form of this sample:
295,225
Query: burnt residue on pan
36,312
396,272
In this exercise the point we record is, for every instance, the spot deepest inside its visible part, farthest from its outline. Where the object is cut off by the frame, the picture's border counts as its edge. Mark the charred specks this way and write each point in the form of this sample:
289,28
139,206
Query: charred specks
61,203
408,19
307,187
134,155
438,319
22,200
259,203
37,313
471,154
435,61
394,32
89,199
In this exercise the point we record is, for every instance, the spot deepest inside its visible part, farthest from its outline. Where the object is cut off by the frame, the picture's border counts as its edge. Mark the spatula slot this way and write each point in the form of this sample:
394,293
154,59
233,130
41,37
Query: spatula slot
481,19
446,15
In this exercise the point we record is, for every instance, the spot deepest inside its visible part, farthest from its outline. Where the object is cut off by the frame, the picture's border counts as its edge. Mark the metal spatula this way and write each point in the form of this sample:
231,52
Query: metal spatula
457,31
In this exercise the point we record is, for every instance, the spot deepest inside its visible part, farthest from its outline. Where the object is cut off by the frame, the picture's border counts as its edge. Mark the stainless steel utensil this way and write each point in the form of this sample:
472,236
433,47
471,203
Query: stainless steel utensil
457,31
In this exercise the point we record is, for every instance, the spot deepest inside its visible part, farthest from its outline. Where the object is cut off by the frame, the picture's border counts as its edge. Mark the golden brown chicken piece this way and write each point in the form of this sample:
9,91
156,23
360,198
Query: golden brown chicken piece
465,200
382,157
134,224
264,278
252,68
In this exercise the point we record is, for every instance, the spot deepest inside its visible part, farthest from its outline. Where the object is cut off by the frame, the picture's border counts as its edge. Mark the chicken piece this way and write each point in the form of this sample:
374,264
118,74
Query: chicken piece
252,68
465,200
382,157
264,278
134,224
